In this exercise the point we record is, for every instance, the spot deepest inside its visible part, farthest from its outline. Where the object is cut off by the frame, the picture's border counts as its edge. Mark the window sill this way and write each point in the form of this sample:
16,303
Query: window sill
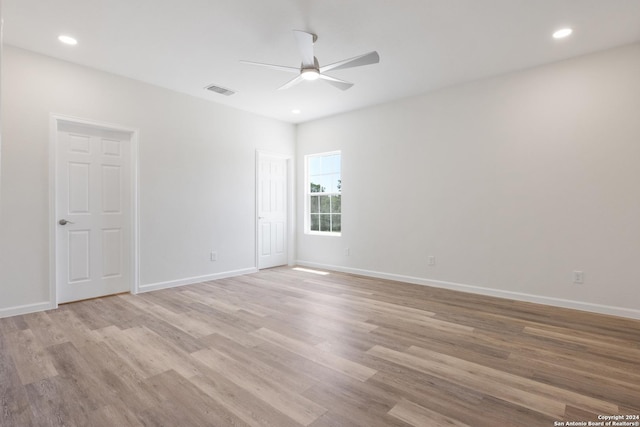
322,233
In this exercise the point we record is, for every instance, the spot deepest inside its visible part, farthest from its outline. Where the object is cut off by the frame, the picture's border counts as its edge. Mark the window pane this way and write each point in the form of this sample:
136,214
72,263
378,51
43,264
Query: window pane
331,164
314,205
315,223
336,204
325,206
325,222
336,222
324,177
325,183
315,165
315,186
330,182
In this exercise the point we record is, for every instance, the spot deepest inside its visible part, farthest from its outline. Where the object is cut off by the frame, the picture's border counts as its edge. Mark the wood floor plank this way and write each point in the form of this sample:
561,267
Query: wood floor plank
144,362
593,343
339,288
14,402
453,400
57,402
569,357
197,328
31,361
212,302
306,370
114,416
165,354
73,328
276,373
419,416
185,404
74,369
331,361
288,348
11,324
290,403
439,395
602,386
44,329
309,330
115,372
177,337
350,319
355,402
251,410
459,342
509,380
533,401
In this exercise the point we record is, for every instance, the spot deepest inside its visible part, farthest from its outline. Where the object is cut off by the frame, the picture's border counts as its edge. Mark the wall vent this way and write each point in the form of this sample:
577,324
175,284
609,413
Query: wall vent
220,90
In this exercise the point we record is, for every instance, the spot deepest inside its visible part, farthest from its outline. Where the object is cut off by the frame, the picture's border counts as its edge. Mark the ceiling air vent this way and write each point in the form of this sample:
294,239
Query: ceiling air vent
220,90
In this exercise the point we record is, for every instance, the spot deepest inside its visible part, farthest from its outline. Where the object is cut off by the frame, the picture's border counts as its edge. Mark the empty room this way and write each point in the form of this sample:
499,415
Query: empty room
320,213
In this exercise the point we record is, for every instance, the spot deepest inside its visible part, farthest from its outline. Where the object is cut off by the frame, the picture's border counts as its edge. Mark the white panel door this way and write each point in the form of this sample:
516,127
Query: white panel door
272,211
93,212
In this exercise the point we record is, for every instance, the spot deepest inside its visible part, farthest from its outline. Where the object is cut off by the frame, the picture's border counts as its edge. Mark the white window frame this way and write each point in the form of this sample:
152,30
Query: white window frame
308,194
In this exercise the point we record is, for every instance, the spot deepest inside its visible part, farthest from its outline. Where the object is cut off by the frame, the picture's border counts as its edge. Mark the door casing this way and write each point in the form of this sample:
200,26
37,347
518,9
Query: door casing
54,123
290,207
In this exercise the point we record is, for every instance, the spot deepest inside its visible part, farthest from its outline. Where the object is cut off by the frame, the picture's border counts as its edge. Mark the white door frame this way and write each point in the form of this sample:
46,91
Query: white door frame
290,206
54,122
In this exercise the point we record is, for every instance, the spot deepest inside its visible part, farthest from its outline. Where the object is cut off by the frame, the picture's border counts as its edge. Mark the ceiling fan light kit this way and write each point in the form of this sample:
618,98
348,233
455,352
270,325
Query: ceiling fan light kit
310,74
310,69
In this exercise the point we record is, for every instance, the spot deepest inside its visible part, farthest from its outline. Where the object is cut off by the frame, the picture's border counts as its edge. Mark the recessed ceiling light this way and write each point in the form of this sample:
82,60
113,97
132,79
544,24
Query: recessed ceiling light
68,40
560,34
295,111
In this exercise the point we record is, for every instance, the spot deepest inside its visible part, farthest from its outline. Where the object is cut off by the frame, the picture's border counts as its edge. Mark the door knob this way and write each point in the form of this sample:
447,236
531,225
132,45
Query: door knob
64,222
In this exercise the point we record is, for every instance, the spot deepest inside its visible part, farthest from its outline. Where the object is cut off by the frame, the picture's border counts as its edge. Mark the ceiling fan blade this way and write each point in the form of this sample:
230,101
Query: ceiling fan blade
291,83
305,45
340,84
366,59
274,67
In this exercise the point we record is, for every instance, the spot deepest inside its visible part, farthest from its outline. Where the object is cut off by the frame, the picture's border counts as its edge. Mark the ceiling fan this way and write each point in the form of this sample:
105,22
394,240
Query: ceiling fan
310,69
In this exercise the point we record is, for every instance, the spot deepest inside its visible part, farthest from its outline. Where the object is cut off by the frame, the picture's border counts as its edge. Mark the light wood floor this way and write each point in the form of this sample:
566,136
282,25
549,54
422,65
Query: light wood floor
289,348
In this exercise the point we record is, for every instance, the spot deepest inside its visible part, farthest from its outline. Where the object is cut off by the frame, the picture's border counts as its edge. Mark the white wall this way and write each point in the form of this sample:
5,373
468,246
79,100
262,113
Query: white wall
512,183
196,173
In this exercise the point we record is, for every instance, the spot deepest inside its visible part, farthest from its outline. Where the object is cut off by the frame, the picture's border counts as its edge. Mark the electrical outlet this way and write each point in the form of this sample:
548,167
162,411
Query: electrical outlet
214,256
578,277
347,251
431,260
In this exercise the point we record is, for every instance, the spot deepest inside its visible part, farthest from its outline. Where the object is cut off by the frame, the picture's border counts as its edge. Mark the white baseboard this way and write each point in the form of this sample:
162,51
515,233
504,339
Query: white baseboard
26,309
556,302
42,306
193,280
499,293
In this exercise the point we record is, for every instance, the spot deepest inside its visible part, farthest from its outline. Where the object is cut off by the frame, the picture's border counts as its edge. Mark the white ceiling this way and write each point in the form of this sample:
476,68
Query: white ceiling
185,45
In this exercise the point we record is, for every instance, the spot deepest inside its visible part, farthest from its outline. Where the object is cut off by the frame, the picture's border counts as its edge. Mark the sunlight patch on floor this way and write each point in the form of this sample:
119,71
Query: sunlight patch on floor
308,270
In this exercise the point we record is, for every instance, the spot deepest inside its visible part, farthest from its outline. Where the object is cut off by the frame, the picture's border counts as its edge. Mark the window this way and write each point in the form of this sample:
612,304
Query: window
323,198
